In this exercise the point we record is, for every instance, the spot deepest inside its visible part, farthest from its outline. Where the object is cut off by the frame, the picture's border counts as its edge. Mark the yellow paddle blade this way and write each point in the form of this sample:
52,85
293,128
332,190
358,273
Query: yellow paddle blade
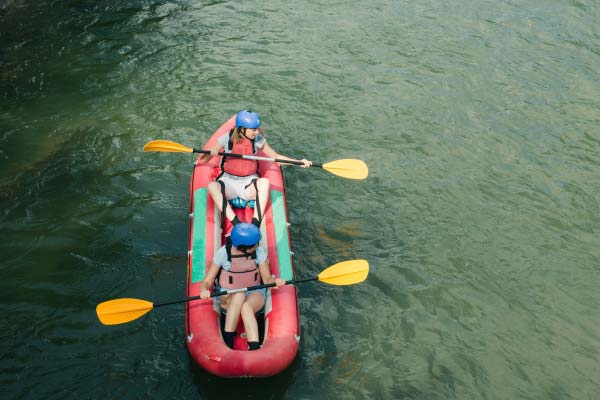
167,146
345,273
119,311
348,168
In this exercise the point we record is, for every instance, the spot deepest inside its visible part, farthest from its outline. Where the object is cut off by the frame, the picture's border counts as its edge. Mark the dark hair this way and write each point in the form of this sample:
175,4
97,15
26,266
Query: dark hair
244,248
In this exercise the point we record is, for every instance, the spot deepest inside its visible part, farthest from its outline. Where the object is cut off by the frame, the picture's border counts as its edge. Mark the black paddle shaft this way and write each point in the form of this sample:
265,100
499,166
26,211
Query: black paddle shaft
279,160
249,288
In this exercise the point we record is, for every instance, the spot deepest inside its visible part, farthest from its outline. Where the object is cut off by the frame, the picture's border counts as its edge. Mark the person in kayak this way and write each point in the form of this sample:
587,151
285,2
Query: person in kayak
240,263
239,177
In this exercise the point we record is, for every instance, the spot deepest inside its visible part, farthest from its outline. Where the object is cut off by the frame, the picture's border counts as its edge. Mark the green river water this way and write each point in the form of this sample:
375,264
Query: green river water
479,122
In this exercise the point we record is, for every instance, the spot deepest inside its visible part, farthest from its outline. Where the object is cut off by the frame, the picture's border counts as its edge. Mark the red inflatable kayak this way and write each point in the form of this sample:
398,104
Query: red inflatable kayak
280,322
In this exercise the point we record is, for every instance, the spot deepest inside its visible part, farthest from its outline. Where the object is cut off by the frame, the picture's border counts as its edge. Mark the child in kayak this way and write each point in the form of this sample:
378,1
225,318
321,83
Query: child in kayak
239,177
240,263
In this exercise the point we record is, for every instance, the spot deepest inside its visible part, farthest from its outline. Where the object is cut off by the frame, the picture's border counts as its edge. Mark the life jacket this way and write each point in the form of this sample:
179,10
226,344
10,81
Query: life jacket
239,166
243,272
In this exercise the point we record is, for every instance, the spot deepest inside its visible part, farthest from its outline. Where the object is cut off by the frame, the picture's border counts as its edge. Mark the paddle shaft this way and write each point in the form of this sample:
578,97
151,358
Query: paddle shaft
256,158
231,291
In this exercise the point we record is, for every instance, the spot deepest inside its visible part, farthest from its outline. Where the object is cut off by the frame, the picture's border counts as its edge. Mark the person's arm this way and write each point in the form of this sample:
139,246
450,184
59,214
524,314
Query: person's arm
208,280
268,150
214,151
267,278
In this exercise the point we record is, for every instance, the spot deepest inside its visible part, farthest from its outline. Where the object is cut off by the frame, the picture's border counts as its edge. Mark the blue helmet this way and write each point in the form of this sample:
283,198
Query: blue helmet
247,119
245,235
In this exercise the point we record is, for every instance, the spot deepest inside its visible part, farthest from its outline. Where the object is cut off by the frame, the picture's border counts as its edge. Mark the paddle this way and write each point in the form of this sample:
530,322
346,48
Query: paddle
346,168
120,311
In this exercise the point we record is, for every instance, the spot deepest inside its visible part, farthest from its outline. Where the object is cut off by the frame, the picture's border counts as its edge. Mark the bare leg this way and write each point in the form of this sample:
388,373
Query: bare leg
252,305
262,196
233,304
214,188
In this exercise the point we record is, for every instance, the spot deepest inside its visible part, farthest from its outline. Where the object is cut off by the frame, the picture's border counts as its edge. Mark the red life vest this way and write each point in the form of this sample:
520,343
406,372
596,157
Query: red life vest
243,272
239,166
